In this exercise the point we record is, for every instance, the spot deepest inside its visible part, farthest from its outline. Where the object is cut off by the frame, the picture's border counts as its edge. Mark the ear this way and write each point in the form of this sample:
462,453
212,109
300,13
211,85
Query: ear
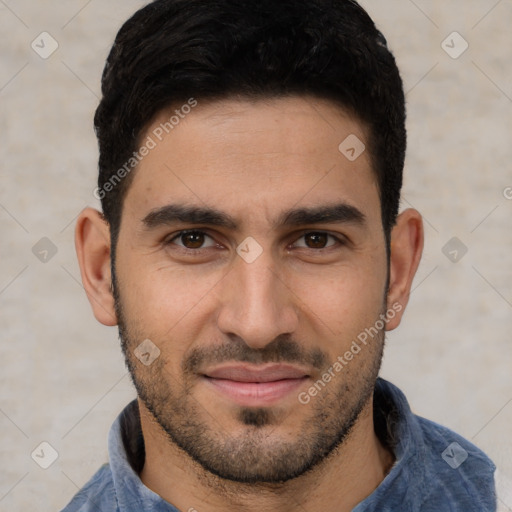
92,243
406,250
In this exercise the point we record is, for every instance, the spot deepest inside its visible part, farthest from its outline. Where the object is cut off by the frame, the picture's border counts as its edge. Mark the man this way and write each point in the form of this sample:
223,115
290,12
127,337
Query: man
251,252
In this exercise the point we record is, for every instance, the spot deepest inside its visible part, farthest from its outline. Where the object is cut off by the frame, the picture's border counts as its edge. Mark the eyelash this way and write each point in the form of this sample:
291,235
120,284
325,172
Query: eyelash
170,241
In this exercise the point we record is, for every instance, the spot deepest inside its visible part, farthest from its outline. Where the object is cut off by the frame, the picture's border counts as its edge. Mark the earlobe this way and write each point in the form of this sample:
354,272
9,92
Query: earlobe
92,243
406,249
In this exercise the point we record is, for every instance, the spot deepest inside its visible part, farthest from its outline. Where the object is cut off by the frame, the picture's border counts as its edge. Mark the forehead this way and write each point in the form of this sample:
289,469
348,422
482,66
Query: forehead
254,158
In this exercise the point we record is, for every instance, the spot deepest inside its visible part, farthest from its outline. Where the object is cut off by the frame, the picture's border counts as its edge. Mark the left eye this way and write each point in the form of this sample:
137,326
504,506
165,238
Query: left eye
192,240
316,240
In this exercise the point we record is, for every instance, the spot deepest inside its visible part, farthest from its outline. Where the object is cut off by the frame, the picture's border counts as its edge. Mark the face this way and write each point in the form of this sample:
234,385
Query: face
251,254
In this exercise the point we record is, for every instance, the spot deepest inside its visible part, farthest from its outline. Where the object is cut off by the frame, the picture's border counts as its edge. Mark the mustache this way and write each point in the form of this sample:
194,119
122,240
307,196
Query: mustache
281,350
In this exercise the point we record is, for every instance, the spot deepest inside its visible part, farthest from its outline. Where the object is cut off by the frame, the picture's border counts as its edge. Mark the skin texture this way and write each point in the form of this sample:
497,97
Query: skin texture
302,301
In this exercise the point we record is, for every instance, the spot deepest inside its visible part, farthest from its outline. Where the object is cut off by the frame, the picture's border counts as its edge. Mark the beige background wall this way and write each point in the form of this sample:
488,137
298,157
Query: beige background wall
62,378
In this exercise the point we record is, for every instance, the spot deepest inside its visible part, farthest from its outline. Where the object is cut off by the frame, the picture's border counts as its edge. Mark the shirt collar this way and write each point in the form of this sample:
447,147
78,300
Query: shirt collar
127,454
399,430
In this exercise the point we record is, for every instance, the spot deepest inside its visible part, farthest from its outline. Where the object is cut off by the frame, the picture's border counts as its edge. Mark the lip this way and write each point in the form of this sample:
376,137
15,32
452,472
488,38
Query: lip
250,385
251,373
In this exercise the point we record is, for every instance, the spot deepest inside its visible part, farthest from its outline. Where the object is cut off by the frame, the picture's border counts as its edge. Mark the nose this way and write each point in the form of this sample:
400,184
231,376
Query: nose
256,304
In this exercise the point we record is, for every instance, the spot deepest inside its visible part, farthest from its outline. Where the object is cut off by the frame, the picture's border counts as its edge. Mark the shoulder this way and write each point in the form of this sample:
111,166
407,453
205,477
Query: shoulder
458,472
97,495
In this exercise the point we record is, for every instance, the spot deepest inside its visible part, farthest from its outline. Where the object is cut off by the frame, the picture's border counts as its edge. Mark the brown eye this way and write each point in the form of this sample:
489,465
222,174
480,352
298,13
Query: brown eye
316,240
193,240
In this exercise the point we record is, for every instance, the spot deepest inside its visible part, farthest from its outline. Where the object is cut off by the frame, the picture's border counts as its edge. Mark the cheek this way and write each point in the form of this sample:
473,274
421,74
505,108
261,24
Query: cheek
342,302
163,304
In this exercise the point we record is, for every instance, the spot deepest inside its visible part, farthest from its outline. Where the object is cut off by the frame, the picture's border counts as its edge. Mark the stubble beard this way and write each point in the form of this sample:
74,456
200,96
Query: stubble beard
258,453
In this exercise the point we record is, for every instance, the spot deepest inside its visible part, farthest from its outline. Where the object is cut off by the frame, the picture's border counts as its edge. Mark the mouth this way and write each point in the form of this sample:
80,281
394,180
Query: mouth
250,385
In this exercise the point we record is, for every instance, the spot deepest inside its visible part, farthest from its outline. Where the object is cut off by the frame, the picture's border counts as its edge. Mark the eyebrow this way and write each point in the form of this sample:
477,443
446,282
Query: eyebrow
173,213
328,214
189,214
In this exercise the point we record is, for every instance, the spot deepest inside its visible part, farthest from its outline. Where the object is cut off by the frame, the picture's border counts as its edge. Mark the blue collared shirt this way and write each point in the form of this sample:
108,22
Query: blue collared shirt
435,470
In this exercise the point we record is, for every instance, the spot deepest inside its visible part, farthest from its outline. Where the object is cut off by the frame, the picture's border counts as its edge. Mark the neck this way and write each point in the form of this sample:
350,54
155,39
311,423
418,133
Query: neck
344,479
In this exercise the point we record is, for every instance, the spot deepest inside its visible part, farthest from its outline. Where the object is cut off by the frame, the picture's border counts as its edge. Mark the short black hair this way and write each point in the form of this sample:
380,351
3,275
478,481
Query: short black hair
172,51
